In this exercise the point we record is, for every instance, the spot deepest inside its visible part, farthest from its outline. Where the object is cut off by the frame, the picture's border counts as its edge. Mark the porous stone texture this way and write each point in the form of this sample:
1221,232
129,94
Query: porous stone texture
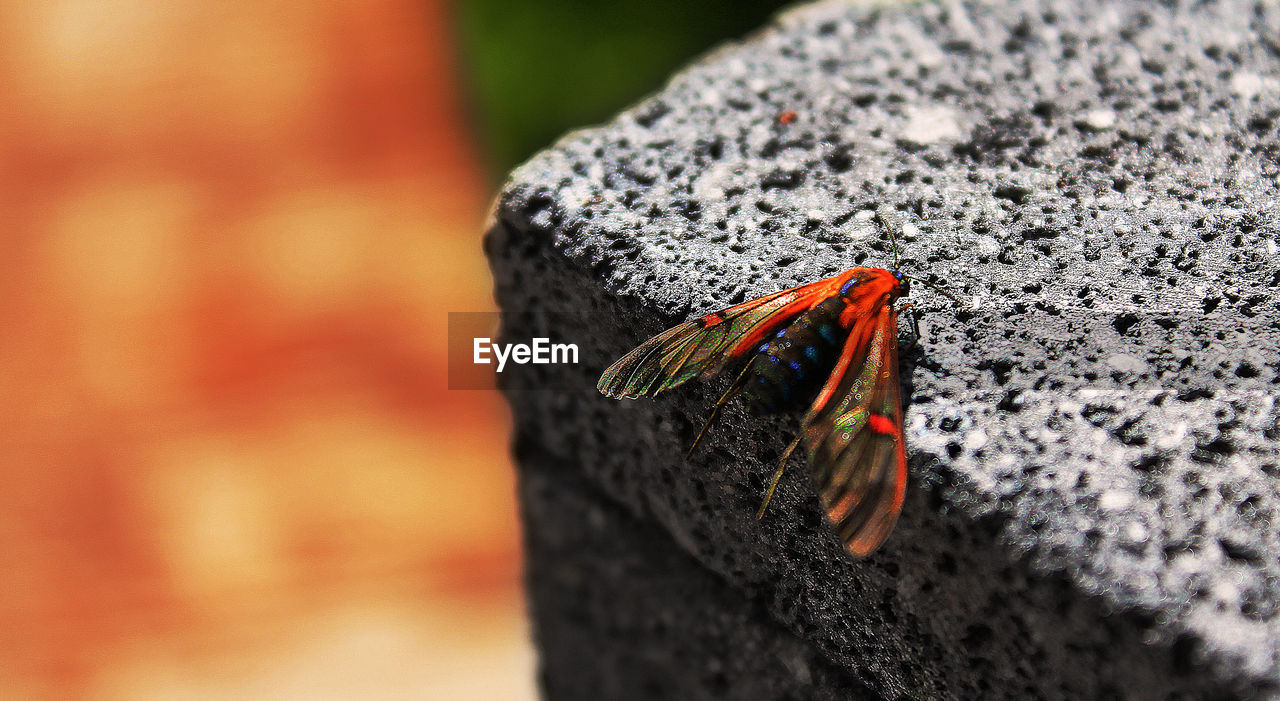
1092,432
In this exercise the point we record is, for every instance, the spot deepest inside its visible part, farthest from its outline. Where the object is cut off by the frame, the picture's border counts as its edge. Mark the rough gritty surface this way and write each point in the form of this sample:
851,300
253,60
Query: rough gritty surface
1092,435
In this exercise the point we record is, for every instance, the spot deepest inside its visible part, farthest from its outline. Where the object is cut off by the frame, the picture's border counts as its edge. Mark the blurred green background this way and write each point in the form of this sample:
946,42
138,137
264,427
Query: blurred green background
534,70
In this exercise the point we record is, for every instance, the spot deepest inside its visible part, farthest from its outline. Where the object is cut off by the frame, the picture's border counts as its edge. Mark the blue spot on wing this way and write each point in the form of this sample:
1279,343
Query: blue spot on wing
812,353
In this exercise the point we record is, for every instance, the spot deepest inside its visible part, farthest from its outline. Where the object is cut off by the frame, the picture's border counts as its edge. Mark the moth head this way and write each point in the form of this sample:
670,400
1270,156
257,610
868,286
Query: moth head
902,280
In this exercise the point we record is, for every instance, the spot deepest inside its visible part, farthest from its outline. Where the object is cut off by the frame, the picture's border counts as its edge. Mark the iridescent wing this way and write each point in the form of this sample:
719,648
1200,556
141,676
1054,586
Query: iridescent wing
853,434
705,346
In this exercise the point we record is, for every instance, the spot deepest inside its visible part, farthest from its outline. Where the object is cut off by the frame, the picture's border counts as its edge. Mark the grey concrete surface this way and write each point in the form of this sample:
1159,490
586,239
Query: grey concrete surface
1092,433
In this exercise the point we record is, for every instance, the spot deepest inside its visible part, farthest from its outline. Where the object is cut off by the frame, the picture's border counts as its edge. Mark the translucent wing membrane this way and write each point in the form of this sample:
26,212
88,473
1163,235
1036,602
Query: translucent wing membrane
705,346
853,434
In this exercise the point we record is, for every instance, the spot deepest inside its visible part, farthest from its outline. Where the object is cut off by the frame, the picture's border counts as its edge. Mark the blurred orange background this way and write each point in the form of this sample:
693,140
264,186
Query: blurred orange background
231,236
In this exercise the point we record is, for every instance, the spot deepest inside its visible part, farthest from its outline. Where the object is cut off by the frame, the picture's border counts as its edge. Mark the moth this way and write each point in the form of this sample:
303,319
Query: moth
830,345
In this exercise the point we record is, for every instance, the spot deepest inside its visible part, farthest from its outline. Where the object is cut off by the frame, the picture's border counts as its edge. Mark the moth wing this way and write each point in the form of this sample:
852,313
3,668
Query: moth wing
704,346
853,433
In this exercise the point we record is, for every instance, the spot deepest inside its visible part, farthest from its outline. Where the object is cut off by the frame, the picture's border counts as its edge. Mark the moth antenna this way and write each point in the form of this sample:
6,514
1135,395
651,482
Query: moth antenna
897,264
893,240
935,287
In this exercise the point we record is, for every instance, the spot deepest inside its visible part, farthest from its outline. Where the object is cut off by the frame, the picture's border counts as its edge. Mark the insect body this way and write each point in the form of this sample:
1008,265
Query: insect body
831,345
790,367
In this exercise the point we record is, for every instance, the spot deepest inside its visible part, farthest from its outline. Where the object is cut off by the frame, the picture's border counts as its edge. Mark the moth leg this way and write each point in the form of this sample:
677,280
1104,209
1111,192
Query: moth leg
715,410
915,323
782,466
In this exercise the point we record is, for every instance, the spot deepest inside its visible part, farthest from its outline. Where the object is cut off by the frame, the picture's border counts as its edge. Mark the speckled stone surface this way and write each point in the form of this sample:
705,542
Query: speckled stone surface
1092,435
